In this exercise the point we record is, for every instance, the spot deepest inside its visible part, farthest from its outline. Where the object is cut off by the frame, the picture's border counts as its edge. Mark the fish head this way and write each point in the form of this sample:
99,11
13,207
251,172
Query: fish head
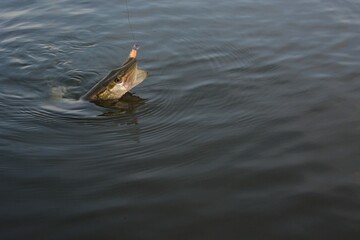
119,81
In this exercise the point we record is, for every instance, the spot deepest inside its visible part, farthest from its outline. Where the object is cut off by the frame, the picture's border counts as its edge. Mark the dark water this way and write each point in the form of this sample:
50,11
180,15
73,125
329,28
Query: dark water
250,127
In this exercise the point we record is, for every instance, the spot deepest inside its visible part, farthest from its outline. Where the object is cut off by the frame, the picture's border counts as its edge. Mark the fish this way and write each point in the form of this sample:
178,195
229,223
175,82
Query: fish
119,81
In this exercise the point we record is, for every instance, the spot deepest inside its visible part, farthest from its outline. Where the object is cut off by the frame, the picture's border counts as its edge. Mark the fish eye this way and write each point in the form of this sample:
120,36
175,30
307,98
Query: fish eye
117,80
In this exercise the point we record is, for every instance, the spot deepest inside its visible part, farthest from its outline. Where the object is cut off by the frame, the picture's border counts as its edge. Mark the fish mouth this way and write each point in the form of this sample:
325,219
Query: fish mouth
119,81
109,87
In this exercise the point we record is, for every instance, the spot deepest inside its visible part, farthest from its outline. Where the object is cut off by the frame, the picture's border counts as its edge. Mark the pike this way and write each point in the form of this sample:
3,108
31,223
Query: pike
119,81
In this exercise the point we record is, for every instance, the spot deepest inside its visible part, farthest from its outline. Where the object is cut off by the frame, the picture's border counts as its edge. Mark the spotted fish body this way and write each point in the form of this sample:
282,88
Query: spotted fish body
119,81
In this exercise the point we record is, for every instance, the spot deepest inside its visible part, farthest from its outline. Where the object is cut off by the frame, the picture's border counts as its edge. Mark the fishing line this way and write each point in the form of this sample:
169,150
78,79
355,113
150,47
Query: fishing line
130,26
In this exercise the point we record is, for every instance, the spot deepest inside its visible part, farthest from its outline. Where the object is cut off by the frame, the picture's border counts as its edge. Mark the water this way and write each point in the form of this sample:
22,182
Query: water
250,126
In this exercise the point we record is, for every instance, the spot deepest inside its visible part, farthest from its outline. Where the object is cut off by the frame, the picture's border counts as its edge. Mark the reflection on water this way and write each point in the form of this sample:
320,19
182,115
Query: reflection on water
247,126
127,104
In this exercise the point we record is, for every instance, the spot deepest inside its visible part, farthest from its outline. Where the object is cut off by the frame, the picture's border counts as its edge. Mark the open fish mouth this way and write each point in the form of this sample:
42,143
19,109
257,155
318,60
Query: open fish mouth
119,81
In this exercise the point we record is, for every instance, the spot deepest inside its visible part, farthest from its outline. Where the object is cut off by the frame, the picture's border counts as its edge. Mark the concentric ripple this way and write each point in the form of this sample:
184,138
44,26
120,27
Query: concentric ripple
247,125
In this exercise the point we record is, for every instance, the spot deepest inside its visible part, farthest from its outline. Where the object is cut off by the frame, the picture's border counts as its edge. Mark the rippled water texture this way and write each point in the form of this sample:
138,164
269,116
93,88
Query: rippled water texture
249,125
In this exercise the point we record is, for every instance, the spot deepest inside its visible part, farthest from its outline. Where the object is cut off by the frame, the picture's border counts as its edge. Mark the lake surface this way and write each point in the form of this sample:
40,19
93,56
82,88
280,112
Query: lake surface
249,126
